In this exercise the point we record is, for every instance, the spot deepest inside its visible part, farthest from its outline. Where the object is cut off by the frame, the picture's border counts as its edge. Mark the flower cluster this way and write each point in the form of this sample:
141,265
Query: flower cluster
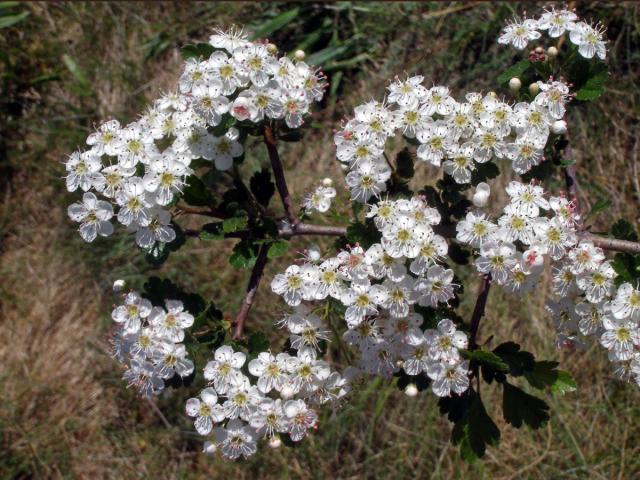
457,136
589,39
320,199
513,251
379,293
141,168
280,400
148,340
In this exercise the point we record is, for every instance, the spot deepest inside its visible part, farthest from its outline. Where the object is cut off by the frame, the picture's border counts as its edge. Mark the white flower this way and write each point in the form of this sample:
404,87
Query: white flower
236,439
319,200
301,418
224,151
93,215
84,171
206,411
242,398
112,179
368,179
497,258
103,140
134,201
589,40
229,40
445,342
271,371
585,257
519,33
172,359
620,337
475,230
224,368
171,323
155,227
307,331
269,418
557,22
291,285
134,146
230,73
436,287
436,141
407,93
432,250
461,164
144,377
131,314
165,177
362,300
553,95
449,377
439,101
526,152
254,58
626,304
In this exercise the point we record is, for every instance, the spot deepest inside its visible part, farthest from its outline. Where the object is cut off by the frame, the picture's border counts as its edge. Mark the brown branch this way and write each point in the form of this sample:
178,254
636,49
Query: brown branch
252,288
284,231
478,311
614,244
278,173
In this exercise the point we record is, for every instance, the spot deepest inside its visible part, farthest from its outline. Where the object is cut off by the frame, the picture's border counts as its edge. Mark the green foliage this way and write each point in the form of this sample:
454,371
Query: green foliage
516,70
365,234
519,407
277,248
545,374
600,206
624,230
159,252
262,187
244,254
487,359
588,77
404,163
196,193
267,28
234,224
627,266
197,50
157,290
212,231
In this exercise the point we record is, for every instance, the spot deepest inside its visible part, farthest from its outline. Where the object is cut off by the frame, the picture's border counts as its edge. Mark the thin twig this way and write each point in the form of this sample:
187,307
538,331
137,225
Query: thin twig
158,412
284,231
478,311
278,174
252,288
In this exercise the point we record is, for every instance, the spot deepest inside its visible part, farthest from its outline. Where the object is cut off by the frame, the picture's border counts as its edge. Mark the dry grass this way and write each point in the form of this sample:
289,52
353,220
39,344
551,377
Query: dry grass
65,412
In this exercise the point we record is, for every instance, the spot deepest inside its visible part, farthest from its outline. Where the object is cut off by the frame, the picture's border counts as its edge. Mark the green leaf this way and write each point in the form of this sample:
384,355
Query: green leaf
546,374
594,86
197,50
157,290
262,187
234,224
486,358
475,431
277,248
364,234
10,20
275,24
518,360
257,342
519,407
626,266
404,163
244,255
624,231
483,172
196,193
599,206
514,71
75,70
212,231
209,316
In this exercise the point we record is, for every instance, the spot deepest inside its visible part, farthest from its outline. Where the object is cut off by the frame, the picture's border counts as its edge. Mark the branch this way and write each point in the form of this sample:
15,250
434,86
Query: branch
278,173
212,212
603,242
285,231
252,288
478,311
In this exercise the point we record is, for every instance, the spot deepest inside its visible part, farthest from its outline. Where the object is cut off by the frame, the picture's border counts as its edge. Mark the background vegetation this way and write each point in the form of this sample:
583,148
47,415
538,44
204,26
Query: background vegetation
64,410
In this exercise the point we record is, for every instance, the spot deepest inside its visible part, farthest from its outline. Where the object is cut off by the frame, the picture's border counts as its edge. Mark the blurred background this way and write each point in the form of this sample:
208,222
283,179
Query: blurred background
65,412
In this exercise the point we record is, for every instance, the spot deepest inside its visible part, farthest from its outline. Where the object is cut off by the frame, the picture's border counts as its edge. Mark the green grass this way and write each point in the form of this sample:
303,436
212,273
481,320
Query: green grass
66,414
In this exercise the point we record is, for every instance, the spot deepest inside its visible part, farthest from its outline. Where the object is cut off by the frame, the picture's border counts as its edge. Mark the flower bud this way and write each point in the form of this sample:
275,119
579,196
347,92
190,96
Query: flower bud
481,195
534,88
327,182
209,448
539,50
272,49
313,253
559,127
515,84
552,52
299,55
411,390
287,392
119,285
275,442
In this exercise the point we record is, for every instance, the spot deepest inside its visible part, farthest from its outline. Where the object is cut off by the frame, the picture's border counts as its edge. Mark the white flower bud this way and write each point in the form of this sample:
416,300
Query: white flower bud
209,448
481,195
272,49
515,84
534,88
552,52
232,134
539,50
275,442
559,127
327,182
287,392
299,55
119,285
313,253
411,390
